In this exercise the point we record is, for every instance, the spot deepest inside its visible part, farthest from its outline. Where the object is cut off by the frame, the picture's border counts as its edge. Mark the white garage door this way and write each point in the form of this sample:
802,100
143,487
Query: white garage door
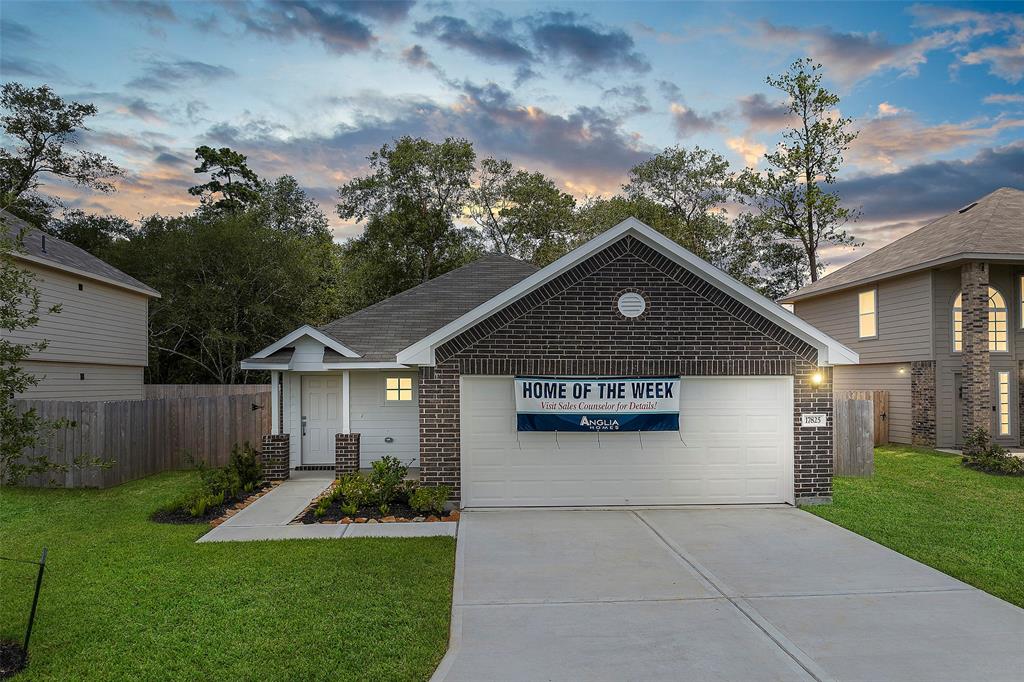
735,445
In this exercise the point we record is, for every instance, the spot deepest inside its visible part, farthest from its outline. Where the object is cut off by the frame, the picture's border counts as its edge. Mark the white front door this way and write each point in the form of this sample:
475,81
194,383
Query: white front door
735,445
321,418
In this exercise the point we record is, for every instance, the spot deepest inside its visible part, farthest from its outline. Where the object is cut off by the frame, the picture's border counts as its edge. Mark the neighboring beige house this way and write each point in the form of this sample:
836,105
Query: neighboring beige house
98,342
937,318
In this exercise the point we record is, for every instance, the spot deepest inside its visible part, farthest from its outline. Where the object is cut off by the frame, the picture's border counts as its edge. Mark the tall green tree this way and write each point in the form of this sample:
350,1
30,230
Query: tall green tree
20,310
232,186
521,213
794,194
284,205
231,284
414,192
93,233
692,185
42,137
383,261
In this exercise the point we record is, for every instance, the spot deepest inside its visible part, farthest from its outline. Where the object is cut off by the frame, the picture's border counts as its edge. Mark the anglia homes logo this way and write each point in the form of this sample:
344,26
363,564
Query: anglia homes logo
599,424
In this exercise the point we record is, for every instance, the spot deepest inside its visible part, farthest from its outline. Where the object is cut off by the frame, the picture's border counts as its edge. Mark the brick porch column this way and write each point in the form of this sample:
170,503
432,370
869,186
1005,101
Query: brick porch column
977,378
275,454
346,454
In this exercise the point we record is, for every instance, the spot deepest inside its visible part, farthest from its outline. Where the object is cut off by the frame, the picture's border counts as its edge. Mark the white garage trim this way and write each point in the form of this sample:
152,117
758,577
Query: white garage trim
734,446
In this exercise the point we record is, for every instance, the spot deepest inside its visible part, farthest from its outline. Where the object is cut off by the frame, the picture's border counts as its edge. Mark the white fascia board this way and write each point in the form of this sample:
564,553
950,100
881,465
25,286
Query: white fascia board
830,351
365,365
327,366
245,364
85,274
311,332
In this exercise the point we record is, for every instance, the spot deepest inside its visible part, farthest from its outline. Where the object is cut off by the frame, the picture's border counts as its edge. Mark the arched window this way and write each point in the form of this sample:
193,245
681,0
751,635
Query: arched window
997,322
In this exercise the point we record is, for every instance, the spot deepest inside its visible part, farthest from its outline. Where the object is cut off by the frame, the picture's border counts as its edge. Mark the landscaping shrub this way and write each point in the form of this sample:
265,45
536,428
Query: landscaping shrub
982,454
429,499
355,491
387,477
246,462
217,485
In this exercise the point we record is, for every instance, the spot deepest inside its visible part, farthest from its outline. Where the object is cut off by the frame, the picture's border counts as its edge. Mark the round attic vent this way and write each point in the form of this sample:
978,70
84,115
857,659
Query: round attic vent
632,304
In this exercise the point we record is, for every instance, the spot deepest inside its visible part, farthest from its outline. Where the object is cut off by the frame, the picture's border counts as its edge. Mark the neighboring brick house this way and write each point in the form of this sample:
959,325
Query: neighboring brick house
98,344
630,307
937,318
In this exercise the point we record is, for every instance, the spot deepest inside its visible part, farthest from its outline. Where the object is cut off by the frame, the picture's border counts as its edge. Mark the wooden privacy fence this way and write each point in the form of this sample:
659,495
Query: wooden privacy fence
146,437
853,436
160,391
880,410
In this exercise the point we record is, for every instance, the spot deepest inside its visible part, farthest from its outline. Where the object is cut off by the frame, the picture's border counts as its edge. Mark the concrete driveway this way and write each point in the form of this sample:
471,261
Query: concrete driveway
711,594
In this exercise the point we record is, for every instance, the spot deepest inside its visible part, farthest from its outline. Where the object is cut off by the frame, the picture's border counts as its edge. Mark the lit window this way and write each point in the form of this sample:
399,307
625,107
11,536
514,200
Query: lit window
398,389
868,314
997,322
1003,381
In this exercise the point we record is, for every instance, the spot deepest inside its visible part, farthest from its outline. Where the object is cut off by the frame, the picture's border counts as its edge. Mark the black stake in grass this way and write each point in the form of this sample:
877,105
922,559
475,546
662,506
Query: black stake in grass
32,613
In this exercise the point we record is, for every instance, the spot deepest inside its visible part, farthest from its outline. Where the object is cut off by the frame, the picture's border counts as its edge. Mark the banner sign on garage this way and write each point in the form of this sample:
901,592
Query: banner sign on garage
597,404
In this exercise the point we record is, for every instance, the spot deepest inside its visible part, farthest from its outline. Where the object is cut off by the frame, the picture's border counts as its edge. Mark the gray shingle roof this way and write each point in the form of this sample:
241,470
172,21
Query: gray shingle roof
380,331
990,228
65,255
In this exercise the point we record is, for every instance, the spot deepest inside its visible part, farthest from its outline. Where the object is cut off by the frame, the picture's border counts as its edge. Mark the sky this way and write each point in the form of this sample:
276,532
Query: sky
580,91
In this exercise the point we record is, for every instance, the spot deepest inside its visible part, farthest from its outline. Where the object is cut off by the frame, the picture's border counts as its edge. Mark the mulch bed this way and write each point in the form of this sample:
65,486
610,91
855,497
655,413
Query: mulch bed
398,510
213,514
10,658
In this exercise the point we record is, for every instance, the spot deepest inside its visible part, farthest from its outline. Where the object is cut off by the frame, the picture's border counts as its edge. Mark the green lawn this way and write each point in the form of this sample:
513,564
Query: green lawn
923,504
125,598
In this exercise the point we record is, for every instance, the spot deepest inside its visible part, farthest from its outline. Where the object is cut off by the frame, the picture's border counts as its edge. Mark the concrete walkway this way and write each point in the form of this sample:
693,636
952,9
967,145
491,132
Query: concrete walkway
710,594
268,518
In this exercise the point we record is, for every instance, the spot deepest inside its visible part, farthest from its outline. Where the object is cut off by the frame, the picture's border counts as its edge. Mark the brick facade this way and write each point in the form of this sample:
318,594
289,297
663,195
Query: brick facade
346,454
570,326
275,454
977,378
922,400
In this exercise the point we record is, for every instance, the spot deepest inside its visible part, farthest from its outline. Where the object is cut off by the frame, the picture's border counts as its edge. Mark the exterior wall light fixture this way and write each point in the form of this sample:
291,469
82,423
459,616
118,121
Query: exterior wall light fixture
816,378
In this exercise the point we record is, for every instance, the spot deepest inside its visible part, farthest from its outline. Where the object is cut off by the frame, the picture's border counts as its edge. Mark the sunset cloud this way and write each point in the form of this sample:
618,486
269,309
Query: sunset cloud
751,151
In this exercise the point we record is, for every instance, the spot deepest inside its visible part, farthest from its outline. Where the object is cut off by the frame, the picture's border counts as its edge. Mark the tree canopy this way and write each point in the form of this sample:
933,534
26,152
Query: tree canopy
793,195
42,138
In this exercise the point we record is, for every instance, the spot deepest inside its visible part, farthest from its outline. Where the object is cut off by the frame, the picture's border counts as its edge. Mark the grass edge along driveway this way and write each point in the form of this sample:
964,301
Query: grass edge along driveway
125,598
924,504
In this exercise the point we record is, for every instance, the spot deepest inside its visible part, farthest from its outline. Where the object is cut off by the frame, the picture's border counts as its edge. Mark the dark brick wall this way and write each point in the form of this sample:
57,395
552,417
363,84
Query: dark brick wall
571,326
440,429
346,454
922,402
275,455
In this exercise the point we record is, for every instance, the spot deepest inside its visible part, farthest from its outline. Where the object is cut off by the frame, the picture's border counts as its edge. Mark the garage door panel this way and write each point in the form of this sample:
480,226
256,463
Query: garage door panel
734,446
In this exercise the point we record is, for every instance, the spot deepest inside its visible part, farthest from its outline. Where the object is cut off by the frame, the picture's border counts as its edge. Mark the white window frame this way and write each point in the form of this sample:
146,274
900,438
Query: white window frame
992,291
953,331
400,389
1003,402
990,309
873,313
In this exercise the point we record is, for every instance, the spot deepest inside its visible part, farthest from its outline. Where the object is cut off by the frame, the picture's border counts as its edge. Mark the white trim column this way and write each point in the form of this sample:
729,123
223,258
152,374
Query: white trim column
275,403
346,411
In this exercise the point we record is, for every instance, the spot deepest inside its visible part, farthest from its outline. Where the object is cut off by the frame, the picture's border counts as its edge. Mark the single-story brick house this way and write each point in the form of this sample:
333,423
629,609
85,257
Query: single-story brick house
629,371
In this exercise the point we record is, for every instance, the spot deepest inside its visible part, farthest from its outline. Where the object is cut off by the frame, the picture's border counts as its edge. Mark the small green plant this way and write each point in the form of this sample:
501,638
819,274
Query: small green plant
429,498
384,509
355,490
247,465
982,454
387,476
